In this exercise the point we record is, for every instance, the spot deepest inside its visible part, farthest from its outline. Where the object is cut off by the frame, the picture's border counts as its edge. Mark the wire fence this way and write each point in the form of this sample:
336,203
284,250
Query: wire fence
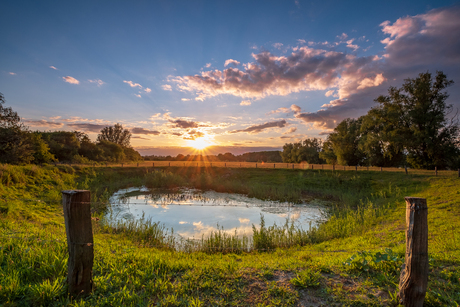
277,165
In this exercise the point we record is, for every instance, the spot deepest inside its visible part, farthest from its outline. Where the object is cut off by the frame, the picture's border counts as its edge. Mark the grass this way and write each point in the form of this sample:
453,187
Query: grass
351,260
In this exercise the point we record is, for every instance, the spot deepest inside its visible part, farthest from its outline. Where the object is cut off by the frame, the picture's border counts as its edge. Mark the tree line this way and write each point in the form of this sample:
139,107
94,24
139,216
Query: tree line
19,145
411,126
260,156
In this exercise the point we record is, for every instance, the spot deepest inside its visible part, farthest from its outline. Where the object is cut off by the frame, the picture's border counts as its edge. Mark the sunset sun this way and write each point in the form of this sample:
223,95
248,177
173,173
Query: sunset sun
201,143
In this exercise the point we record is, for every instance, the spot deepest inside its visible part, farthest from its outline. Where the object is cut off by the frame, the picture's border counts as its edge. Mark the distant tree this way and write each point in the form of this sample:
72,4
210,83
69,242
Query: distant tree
41,150
306,151
115,134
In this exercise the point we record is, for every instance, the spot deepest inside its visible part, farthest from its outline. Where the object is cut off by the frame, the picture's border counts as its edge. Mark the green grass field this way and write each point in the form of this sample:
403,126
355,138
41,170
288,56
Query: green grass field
353,259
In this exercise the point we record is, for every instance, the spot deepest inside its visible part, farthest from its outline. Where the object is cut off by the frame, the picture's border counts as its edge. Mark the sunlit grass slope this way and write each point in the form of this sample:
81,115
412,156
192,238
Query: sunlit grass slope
353,259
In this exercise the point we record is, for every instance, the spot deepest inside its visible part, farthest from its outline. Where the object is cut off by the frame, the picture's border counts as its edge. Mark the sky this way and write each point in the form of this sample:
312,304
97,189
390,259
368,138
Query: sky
239,75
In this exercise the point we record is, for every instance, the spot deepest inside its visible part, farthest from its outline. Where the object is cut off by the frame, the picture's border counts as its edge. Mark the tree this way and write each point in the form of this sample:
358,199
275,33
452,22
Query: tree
417,120
115,134
345,140
328,153
306,151
15,144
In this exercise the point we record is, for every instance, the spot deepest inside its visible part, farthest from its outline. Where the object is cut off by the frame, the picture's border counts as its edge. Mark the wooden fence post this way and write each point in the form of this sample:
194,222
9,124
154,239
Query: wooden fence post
333,167
153,164
436,171
77,216
414,273
274,165
356,168
169,163
405,168
256,165
137,164
121,164
381,169
322,166
312,166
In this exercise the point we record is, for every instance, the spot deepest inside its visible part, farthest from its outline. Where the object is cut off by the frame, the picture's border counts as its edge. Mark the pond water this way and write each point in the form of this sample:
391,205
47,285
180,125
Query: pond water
194,213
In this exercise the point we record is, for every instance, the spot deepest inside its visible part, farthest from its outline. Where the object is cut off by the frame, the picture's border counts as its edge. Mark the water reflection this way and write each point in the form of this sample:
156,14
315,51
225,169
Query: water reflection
193,213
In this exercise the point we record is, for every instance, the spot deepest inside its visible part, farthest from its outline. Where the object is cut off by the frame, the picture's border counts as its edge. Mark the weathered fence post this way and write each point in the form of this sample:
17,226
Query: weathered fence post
312,166
225,164
405,168
274,165
169,163
436,171
381,169
77,216
256,165
322,166
344,167
356,168
292,166
153,164
121,164
414,273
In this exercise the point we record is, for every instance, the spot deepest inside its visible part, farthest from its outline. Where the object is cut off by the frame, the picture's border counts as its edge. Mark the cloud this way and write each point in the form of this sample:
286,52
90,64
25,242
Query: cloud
138,95
260,128
71,80
302,41
179,123
207,65
132,84
351,45
144,131
342,37
329,93
193,134
147,90
87,127
277,45
425,38
185,99
232,62
139,137
291,130
52,67
293,108
12,73
166,87
99,82
245,103
369,82
43,123
303,70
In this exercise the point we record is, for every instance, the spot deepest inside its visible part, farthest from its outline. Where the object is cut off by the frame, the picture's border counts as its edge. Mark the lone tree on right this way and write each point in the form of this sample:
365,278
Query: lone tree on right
421,122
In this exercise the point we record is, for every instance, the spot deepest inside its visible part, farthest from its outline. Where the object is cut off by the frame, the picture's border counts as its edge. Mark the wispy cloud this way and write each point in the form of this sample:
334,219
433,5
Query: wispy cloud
138,95
261,127
12,73
291,130
207,65
44,123
87,127
132,84
71,80
245,103
147,90
98,82
166,87
144,131
52,67
231,61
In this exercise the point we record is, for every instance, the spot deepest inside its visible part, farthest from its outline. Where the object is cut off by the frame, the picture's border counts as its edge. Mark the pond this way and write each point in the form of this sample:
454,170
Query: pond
194,213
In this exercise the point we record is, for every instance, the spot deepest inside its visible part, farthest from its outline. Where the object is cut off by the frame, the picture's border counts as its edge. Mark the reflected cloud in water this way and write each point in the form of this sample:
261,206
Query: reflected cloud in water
193,213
